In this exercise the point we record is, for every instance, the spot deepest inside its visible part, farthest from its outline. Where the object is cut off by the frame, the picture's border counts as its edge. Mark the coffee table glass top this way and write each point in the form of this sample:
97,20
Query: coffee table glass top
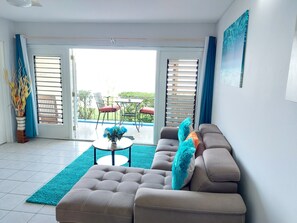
105,144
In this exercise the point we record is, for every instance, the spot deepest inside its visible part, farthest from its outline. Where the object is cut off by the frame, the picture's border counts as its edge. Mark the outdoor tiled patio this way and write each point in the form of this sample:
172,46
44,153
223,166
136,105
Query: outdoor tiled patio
87,131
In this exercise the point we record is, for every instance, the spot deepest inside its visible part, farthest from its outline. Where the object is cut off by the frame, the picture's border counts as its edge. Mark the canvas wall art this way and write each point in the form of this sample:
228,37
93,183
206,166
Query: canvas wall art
234,44
291,92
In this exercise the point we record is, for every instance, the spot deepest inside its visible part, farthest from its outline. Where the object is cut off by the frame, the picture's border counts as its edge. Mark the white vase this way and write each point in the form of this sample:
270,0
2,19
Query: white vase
21,123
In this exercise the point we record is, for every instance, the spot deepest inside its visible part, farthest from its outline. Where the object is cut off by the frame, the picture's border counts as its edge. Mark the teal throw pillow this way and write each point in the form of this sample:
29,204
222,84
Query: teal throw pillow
183,164
184,129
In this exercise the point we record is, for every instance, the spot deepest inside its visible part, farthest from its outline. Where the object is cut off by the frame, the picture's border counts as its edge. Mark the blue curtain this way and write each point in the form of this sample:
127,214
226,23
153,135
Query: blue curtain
207,90
22,62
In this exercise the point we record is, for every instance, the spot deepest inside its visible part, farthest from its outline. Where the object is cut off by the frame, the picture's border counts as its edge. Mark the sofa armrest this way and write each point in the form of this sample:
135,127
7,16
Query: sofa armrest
169,133
167,206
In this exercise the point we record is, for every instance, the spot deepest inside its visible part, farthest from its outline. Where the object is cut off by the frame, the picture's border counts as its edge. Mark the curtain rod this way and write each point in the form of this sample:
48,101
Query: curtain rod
114,39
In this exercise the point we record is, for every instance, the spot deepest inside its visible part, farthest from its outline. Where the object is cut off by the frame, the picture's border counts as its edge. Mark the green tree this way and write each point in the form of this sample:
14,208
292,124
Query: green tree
85,111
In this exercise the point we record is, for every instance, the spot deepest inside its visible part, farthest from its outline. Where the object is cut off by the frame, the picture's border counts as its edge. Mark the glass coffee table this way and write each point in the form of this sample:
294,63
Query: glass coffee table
113,159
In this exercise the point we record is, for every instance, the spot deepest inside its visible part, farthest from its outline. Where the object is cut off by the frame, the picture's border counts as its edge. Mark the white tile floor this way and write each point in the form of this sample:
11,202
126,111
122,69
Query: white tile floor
24,168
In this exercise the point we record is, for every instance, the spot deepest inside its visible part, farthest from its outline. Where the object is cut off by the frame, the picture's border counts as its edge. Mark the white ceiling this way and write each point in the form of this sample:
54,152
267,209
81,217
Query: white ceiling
119,11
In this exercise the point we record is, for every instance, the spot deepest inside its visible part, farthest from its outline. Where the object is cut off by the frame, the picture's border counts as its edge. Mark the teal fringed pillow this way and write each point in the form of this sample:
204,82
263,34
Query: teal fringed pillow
184,129
183,164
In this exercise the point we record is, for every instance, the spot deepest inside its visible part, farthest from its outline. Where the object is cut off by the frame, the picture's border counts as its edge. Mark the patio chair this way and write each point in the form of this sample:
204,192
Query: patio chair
145,111
105,107
48,112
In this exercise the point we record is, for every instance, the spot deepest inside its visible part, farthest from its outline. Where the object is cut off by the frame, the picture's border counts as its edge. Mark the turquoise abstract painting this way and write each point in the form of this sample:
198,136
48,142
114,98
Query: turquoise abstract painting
234,44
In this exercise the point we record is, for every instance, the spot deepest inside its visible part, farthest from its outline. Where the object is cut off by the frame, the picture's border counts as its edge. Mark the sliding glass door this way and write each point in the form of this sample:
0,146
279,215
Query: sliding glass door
116,75
66,82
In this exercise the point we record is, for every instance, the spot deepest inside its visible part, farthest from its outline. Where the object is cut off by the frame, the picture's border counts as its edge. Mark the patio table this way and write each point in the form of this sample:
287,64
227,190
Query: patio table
125,103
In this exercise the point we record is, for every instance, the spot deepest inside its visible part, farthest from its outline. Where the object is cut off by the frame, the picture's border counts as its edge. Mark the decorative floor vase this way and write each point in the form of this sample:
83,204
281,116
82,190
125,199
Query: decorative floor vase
21,136
21,122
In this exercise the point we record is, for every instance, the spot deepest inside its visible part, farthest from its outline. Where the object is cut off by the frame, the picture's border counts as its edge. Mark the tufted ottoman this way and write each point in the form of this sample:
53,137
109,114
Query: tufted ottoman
106,194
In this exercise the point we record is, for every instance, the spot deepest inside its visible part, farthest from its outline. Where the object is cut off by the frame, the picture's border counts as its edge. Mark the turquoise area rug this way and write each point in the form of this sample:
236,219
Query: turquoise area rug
56,188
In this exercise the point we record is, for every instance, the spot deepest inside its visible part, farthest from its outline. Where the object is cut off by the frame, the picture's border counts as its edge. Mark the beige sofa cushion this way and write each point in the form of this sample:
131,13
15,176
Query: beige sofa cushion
216,140
167,145
220,166
209,128
106,194
201,182
168,206
165,153
163,160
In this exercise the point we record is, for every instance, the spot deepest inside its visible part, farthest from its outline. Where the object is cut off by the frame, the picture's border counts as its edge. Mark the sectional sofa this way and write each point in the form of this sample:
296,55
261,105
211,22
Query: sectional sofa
117,194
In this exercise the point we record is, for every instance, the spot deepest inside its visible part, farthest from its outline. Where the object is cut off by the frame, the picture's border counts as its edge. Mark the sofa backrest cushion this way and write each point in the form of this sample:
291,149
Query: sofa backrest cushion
209,128
167,145
215,140
220,166
169,133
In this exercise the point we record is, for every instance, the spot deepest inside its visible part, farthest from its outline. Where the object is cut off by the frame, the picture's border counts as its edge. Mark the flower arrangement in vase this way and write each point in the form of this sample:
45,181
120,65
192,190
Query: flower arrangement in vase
20,89
19,92
114,133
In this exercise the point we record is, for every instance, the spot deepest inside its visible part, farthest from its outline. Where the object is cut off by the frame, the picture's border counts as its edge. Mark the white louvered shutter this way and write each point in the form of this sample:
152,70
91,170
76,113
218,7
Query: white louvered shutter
181,90
48,81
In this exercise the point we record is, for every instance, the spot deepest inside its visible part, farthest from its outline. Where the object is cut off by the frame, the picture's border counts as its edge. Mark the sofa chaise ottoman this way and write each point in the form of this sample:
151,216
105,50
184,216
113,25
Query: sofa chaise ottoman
117,194
107,193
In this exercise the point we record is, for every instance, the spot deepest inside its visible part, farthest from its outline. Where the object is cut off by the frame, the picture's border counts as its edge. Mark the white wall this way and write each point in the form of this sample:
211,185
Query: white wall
6,36
257,120
138,34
